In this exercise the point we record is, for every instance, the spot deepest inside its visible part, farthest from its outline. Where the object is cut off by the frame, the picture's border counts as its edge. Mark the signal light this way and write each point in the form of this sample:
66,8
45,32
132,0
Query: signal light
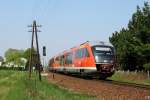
44,51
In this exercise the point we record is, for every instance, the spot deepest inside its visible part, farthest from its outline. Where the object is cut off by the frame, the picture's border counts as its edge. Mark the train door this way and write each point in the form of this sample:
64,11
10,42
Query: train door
88,61
78,58
85,56
82,58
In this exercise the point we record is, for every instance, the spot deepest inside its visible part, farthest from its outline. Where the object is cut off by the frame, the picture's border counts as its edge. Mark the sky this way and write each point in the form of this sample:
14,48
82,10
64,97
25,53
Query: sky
65,23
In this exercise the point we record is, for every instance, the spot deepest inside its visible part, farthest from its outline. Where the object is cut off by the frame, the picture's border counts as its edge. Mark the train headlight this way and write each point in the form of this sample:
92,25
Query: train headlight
105,61
96,57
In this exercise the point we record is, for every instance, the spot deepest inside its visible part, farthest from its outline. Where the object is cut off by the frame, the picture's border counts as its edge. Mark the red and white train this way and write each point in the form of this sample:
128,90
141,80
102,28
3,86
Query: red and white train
89,58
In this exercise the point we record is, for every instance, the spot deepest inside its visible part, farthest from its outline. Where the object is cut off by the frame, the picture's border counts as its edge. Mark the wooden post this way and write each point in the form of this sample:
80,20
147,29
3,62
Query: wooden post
38,62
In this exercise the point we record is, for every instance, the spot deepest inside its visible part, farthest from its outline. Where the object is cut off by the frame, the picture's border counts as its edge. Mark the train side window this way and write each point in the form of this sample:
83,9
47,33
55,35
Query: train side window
62,60
86,53
57,59
76,54
79,53
51,61
69,58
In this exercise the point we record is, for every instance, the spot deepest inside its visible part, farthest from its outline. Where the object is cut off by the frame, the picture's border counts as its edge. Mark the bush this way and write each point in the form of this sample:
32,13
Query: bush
147,66
12,68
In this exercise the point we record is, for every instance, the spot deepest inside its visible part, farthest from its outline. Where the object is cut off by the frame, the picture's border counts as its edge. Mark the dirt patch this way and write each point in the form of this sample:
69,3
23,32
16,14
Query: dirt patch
102,91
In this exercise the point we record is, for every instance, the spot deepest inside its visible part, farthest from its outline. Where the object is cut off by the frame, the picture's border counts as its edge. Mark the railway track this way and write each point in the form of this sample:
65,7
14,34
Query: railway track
108,81
147,87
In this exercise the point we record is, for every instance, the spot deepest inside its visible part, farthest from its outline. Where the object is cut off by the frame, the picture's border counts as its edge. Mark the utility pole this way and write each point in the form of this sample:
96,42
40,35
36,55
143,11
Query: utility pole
34,51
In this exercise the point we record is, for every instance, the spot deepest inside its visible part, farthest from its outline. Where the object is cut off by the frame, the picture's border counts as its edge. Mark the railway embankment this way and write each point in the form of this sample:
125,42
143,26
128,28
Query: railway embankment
131,77
101,90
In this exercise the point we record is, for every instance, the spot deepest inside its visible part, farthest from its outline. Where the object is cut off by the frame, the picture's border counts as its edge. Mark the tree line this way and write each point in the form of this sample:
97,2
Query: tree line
132,44
17,59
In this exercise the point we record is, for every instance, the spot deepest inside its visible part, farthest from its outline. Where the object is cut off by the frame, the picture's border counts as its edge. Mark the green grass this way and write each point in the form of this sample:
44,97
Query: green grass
15,85
131,77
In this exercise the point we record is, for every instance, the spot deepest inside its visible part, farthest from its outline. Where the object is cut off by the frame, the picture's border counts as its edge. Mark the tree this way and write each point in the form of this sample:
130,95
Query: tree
27,56
1,60
147,68
20,57
14,55
132,44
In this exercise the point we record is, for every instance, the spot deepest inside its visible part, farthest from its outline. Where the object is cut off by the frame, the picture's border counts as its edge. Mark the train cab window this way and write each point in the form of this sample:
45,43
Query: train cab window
103,54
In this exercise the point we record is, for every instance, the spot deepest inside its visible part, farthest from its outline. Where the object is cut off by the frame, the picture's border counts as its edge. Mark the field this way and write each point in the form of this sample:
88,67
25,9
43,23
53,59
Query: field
131,77
15,85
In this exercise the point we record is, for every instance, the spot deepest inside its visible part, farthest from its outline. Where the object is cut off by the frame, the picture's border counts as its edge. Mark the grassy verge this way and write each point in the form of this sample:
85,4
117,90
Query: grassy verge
14,85
131,77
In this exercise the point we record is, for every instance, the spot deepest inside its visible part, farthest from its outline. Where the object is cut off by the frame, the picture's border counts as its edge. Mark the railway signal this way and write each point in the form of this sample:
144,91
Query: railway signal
44,55
44,51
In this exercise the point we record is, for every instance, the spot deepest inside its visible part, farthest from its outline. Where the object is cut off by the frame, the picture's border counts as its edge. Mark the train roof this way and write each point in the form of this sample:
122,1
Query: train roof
102,43
91,43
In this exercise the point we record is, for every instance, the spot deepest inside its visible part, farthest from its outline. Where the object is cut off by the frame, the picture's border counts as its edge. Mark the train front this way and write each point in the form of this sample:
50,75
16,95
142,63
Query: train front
104,59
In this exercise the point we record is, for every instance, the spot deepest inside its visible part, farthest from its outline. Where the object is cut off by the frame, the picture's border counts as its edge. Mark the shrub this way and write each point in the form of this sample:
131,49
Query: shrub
147,66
